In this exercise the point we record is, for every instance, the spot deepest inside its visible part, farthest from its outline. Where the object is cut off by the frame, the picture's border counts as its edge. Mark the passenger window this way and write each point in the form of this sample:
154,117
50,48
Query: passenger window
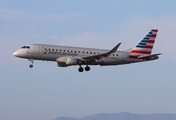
83,51
75,51
53,49
90,52
78,51
56,49
116,54
87,52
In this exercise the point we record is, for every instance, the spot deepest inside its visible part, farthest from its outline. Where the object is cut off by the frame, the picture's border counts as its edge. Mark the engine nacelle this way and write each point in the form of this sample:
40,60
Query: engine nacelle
66,61
71,61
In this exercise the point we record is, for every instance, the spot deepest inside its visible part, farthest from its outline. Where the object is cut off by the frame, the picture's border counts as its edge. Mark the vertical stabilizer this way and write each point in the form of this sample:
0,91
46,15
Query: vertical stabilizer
145,46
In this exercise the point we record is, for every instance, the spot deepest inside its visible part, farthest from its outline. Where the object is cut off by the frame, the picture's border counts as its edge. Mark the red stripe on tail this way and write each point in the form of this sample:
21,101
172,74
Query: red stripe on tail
150,41
140,52
147,46
153,35
155,30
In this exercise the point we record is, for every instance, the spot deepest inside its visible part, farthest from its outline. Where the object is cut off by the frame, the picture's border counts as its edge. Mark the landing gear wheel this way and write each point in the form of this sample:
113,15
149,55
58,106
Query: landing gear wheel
31,66
87,68
80,69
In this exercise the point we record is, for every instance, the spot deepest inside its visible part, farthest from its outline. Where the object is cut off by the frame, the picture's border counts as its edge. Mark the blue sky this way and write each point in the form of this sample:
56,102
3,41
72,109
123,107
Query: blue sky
46,91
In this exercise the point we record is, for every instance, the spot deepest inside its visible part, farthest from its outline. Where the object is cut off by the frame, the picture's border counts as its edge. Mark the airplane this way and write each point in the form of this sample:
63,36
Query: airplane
66,56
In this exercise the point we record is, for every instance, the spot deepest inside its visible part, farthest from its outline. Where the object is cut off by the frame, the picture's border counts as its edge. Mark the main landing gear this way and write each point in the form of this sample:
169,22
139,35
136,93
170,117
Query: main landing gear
32,61
87,68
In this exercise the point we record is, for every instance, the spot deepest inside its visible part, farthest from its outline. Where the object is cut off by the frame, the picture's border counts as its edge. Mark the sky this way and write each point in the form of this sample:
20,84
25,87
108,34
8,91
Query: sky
46,91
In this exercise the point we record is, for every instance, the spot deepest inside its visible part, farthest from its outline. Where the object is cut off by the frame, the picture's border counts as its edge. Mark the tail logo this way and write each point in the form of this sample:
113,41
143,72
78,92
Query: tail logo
145,46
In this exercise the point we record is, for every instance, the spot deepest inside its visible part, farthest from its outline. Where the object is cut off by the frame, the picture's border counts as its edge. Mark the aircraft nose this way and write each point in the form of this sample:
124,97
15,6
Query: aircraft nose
15,53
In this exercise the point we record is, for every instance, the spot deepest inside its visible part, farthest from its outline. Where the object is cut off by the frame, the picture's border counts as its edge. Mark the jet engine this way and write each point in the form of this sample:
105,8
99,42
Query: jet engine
71,61
66,61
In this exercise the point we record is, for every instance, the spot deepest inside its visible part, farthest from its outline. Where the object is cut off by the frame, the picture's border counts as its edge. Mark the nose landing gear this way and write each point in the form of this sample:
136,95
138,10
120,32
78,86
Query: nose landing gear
31,66
32,61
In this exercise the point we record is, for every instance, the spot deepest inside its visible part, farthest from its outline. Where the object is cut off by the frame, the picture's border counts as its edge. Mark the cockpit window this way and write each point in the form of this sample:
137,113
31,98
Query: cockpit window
25,47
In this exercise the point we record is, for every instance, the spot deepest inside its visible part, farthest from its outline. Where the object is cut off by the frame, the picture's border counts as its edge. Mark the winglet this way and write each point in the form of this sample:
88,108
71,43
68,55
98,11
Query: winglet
99,56
114,49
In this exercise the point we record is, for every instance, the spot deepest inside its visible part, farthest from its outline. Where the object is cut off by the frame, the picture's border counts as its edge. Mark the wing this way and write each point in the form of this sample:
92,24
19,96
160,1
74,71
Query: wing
99,56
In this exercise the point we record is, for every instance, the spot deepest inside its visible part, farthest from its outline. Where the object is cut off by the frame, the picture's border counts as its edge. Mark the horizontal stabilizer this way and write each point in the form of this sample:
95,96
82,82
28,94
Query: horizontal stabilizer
149,56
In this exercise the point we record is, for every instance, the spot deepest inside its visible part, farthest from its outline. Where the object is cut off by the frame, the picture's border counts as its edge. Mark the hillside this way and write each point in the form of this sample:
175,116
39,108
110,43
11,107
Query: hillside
123,116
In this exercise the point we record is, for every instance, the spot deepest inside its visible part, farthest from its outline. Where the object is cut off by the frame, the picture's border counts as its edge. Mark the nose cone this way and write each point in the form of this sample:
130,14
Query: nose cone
16,53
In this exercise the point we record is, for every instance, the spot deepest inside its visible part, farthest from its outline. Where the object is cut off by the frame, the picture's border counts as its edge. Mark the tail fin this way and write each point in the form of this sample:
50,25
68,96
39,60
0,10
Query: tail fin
145,46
